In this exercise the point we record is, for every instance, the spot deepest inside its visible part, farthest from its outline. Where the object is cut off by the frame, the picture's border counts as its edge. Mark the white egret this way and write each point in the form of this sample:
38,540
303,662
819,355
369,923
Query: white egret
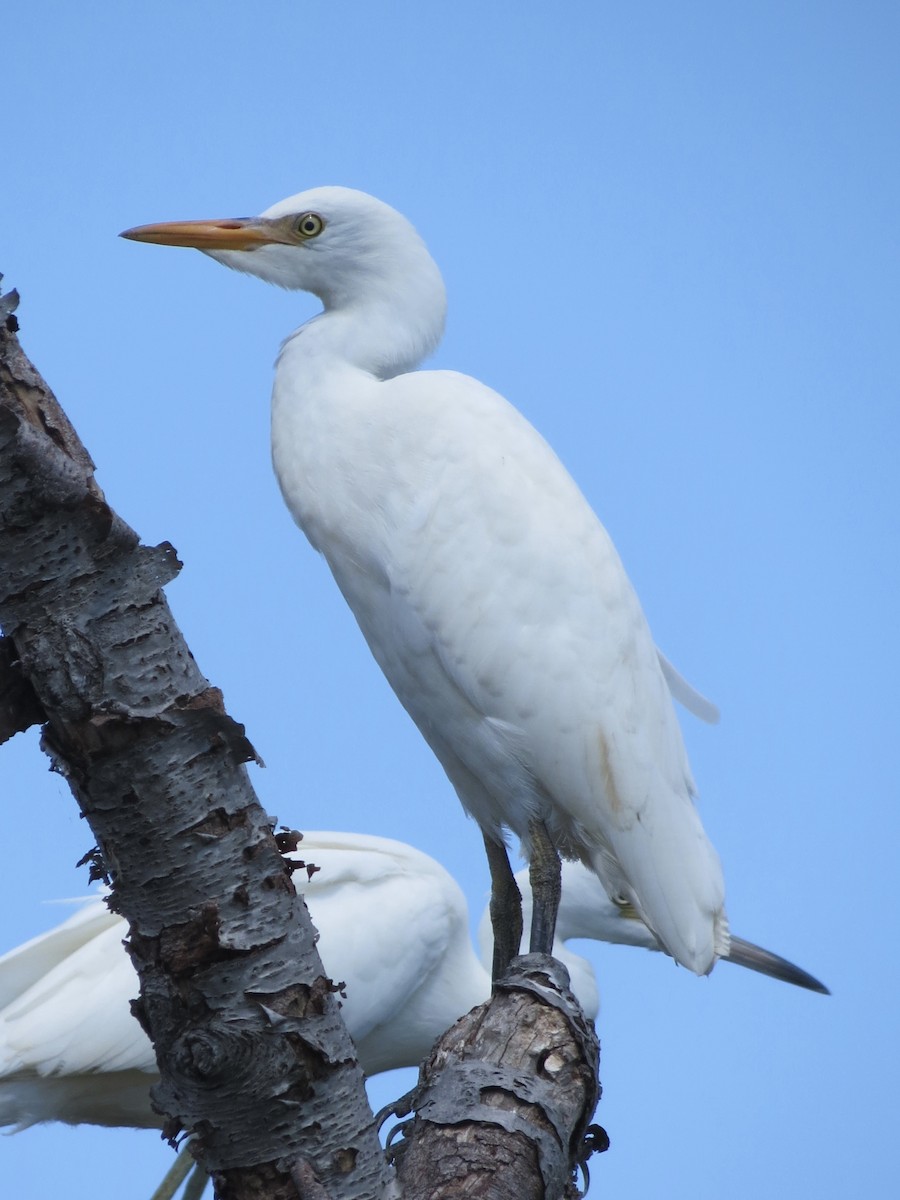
488,591
394,927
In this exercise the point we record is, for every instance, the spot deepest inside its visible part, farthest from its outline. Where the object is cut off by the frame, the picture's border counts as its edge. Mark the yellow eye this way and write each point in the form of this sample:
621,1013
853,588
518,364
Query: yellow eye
308,225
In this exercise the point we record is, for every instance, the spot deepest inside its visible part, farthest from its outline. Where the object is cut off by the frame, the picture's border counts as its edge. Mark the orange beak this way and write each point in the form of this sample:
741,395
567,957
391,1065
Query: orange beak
241,233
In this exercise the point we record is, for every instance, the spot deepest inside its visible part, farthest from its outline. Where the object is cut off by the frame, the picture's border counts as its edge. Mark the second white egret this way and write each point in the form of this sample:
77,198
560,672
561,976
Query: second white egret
394,929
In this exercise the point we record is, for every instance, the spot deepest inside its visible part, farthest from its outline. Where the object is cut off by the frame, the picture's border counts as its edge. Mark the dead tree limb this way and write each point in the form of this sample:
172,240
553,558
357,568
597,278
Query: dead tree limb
504,1101
254,1056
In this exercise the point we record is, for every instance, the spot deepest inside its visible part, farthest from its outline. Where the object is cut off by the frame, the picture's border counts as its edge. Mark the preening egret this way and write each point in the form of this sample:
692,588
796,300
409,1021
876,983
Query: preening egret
488,591
70,1049
394,927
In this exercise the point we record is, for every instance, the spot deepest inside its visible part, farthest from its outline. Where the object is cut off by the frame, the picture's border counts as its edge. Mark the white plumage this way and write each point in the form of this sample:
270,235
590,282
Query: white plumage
393,925
488,592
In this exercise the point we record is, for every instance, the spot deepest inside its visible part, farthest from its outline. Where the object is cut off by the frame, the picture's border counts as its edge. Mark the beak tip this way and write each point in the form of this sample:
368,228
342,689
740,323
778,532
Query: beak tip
243,233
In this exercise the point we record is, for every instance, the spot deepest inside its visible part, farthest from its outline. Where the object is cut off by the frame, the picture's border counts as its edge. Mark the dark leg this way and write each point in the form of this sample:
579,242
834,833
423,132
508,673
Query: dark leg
545,874
506,907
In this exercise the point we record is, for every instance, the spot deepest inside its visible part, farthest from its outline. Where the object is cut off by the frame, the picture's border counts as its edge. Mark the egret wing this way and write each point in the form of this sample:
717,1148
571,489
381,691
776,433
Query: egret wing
496,604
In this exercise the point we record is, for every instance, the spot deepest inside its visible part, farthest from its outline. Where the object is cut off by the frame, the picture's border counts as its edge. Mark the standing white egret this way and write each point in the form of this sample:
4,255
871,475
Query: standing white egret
488,591
393,925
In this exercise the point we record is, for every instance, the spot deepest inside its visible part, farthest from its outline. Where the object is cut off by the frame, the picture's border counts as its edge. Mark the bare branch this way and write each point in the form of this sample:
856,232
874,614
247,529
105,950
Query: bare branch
253,1054
504,1100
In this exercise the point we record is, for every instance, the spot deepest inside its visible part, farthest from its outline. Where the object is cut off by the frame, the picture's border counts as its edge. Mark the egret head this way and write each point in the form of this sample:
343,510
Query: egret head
344,246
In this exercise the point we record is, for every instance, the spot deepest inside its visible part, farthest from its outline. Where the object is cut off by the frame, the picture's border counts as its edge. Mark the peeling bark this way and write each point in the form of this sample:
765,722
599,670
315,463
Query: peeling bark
254,1056
504,1101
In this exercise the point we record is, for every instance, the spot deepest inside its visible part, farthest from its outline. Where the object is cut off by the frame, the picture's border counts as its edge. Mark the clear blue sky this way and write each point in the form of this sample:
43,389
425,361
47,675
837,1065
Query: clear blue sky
669,234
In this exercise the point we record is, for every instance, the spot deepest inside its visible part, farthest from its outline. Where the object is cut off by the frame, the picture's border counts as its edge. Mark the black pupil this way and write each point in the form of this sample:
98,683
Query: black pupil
309,225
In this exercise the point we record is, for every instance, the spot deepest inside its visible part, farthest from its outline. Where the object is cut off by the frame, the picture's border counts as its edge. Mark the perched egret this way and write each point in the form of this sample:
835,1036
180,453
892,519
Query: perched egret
394,928
488,591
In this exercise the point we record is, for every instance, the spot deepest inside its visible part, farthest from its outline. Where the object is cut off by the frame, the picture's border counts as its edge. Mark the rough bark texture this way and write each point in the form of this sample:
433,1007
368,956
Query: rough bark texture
504,1101
253,1054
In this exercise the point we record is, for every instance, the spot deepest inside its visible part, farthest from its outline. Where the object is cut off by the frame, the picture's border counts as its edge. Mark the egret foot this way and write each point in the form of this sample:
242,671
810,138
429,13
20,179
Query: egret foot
399,1108
506,907
545,875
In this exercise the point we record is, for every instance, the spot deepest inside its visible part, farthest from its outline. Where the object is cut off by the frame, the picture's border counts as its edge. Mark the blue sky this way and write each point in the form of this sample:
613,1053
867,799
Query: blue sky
669,234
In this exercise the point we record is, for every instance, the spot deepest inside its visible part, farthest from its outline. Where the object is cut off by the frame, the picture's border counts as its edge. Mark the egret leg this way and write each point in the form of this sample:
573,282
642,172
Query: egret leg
196,1185
175,1175
545,874
506,907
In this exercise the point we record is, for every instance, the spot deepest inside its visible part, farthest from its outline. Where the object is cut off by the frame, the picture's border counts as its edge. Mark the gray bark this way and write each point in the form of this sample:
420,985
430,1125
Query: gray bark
503,1102
253,1055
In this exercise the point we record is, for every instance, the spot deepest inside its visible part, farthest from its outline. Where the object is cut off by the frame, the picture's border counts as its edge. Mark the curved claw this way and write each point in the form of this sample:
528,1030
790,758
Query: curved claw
393,1134
401,1107
595,1141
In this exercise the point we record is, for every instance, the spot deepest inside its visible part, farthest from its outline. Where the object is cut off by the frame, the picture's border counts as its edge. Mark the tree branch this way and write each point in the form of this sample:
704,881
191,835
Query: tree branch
253,1054
504,1100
